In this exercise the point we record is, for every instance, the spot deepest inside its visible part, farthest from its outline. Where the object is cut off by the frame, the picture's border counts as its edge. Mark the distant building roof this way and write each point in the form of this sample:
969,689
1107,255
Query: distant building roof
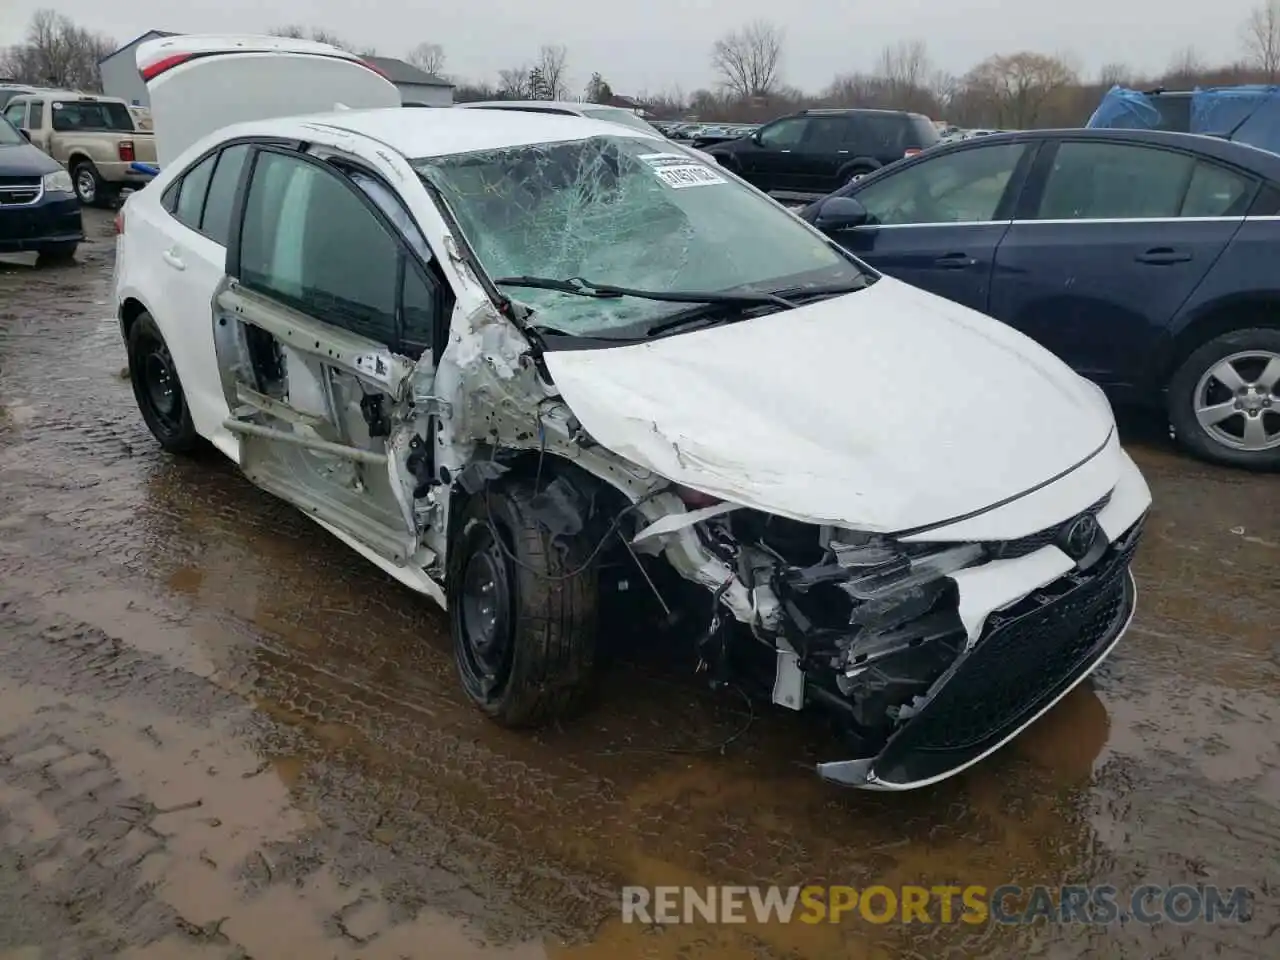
149,35
400,72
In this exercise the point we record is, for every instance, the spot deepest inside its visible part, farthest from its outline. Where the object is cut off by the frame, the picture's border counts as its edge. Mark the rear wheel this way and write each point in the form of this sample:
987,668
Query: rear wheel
89,185
157,390
524,630
1224,401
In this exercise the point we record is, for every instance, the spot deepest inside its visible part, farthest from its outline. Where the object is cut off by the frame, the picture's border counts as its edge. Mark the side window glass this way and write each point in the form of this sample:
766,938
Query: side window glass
216,224
785,134
191,193
826,133
394,211
1115,181
1217,192
35,115
420,305
962,187
16,114
309,240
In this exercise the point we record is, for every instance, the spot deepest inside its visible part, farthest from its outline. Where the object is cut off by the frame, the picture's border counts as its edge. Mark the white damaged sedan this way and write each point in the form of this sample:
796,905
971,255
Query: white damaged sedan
566,381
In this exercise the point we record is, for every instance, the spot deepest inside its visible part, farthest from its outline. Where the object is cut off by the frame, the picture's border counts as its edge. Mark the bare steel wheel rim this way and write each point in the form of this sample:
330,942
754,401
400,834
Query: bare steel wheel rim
1237,401
483,619
86,184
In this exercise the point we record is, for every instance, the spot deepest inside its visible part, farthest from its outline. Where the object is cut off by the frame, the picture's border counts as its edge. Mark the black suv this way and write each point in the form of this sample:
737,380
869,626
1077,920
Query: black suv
812,153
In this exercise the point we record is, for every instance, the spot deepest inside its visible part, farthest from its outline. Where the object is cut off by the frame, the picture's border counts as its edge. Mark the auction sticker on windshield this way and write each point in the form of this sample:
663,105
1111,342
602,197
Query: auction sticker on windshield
677,170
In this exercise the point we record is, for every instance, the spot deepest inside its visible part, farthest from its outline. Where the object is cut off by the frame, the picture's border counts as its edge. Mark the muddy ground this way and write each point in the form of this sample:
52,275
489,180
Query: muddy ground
224,735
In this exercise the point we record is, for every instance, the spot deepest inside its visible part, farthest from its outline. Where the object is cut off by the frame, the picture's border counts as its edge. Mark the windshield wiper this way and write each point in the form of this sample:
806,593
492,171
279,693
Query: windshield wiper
585,288
829,290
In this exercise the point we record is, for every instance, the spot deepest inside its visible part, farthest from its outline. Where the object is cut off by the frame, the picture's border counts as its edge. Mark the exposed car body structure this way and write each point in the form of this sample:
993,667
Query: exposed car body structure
534,450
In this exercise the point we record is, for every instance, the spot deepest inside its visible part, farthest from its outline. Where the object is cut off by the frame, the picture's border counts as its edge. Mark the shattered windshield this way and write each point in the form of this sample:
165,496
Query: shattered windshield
618,115
628,212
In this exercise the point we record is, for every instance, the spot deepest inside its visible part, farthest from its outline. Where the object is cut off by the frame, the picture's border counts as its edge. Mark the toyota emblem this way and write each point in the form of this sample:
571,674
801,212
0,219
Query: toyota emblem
1079,536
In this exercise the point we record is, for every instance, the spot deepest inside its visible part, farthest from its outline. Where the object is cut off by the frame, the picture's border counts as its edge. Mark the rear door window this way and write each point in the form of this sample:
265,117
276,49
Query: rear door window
216,224
1217,192
35,115
191,193
827,134
1115,181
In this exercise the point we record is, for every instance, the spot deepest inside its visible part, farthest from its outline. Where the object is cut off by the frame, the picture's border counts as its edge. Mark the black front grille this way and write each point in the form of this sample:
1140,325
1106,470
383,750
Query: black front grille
15,191
1023,546
1027,655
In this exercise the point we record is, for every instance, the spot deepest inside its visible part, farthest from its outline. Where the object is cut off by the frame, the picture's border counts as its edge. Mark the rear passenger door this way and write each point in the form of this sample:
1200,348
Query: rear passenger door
325,346
190,247
1111,239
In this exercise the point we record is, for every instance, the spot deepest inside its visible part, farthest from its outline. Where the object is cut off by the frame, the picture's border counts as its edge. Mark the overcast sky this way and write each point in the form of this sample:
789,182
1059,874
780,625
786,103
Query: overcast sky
653,45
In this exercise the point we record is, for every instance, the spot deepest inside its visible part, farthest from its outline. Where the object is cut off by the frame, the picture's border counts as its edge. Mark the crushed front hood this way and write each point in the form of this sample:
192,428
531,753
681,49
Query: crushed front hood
885,409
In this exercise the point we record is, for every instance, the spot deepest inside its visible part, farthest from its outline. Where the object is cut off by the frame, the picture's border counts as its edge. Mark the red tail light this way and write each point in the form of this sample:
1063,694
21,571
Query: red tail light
120,221
911,151
125,149
153,70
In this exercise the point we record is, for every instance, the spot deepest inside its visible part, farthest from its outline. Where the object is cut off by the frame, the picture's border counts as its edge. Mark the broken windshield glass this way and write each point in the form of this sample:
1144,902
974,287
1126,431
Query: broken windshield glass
625,212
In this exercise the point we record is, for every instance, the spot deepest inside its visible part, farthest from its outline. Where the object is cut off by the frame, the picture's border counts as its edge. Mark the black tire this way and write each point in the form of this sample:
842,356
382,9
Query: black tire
89,185
157,389
59,252
1185,388
847,176
537,662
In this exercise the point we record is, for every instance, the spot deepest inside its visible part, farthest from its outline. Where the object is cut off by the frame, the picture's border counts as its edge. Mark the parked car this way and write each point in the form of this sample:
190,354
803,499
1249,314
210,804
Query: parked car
557,377
94,137
1247,113
1145,260
593,111
38,207
10,90
811,153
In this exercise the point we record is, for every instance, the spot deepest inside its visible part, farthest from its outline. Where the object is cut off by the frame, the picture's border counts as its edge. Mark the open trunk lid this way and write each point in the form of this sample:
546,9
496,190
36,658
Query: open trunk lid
200,84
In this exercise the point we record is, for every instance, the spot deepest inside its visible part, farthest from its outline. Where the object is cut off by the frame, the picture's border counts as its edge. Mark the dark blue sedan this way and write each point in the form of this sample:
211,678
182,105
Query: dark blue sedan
1149,261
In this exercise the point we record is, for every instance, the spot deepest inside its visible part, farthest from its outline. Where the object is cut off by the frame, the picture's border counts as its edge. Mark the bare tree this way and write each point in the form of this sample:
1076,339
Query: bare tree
1185,67
427,57
904,64
749,60
1017,87
513,84
552,59
57,53
1115,74
1262,38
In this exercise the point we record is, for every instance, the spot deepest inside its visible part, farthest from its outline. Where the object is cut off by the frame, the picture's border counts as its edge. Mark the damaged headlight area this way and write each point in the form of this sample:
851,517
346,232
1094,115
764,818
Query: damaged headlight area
870,623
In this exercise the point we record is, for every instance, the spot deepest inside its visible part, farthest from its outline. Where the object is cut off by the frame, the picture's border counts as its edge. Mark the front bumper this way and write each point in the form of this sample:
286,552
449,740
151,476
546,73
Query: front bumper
50,220
1027,658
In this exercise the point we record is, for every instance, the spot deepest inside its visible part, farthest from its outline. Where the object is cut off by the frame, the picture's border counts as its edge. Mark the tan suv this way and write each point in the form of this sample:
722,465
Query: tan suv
94,137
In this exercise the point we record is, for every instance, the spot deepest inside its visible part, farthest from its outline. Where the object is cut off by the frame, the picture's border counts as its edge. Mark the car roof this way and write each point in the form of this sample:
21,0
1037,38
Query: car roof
45,93
1263,162
428,133
568,106
841,111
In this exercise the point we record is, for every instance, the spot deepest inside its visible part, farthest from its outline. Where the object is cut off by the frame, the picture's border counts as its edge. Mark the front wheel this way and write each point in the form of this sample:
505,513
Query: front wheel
157,390
1224,401
523,610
